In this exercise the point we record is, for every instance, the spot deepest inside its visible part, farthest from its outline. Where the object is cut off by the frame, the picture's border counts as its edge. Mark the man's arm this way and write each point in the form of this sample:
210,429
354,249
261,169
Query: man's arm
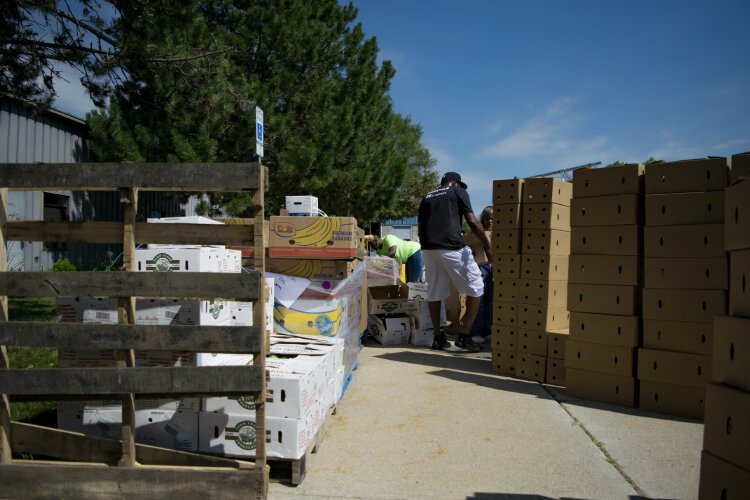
391,252
478,230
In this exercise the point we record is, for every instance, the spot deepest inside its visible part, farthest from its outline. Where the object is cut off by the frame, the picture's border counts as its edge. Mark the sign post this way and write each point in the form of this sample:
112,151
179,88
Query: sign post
258,132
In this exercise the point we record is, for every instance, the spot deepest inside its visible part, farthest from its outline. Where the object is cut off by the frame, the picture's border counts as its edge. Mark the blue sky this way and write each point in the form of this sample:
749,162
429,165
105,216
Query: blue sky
512,89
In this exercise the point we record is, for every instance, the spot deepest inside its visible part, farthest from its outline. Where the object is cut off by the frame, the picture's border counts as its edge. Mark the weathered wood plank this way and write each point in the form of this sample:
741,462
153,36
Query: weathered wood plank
231,339
259,318
28,480
227,177
111,232
5,429
244,286
77,447
150,383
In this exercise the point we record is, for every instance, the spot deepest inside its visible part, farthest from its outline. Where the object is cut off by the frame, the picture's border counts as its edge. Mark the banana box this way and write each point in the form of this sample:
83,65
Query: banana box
312,269
309,317
314,238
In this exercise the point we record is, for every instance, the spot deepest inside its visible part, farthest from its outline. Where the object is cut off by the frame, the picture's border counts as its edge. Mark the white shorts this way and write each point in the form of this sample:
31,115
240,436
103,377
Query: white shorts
458,266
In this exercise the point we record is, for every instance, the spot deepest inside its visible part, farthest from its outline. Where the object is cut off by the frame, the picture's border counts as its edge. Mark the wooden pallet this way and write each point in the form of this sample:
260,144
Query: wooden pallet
82,466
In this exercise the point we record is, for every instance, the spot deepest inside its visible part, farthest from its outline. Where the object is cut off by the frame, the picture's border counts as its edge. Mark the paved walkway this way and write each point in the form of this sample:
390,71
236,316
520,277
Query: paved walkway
423,424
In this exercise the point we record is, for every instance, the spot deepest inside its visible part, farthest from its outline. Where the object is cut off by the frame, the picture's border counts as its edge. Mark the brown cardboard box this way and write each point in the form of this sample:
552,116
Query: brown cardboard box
530,367
507,191
555,374
505,241
623,179
677,368
605,329
532,342
544,267
601,358
545,242
699,306
506,265
615,210
740,167
556,341
679,336
312,269
504,338
605,269
505,314
545,216
602,387
737,216
704,174
604,299
685,208
702,240
731,356
726,433
547,190
507,216
507,289
721,479
606,240
739,283
543,292
504,362
678,400
536,317
314,237
706,273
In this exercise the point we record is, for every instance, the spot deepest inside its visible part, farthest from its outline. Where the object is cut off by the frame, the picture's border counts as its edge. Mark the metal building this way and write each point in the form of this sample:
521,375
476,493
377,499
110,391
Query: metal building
52,136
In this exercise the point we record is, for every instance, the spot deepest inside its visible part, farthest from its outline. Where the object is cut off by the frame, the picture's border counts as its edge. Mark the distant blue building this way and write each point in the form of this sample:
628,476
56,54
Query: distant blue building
406,228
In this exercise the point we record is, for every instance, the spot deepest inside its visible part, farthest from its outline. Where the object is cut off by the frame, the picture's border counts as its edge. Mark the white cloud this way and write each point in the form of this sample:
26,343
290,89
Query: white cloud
732,143
549,138
445,160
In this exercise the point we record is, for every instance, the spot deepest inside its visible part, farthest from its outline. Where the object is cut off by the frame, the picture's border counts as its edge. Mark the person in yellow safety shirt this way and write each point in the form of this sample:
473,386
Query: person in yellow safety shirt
482,328
408,252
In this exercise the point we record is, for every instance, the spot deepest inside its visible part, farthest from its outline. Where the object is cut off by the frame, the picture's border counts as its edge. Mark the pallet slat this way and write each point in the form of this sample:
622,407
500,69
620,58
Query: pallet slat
77,447
111,232
226,177
196,286
229,339
149,383
44,480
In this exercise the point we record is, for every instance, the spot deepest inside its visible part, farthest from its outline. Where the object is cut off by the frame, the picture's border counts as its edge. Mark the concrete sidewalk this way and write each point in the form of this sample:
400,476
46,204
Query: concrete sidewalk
423,424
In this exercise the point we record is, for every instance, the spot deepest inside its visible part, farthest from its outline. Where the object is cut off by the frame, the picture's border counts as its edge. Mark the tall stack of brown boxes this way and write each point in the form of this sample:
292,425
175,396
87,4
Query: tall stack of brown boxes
605,279
542,309
685,283
725,463
506,270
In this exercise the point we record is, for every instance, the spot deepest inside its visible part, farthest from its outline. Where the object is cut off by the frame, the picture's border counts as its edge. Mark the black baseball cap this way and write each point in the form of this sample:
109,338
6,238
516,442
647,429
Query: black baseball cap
453,176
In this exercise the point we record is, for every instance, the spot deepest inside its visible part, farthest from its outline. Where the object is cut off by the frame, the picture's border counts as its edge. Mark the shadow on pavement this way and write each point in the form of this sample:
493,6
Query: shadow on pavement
441,359
524,496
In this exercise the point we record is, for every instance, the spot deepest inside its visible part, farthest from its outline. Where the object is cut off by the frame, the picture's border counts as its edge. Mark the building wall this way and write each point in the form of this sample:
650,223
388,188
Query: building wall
51,136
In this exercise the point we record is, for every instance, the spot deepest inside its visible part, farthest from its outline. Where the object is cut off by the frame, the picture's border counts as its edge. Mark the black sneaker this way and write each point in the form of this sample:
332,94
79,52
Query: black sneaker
440,343
465,342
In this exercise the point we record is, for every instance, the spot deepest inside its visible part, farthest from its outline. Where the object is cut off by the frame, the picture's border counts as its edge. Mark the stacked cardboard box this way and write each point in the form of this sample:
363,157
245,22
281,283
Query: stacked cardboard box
725,463
605,279
531,245
685,283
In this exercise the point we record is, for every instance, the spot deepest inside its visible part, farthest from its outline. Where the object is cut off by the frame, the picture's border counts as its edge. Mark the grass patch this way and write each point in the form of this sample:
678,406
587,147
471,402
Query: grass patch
32,309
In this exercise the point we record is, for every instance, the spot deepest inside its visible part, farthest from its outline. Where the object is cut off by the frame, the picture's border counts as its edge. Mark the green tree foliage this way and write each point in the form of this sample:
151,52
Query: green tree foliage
183,79
63,265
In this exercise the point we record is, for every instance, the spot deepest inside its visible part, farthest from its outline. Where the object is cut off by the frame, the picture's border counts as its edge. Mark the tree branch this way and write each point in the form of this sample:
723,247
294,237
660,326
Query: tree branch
191,58
56,46
96,32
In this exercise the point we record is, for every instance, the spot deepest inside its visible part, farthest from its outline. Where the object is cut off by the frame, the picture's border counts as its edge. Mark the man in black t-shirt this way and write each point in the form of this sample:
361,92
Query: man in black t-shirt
446,257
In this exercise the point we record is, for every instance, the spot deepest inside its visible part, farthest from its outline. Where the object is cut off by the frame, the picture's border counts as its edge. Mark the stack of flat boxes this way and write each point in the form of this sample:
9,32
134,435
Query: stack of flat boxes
685,283
725,463
605,279
545,247
531,244
506,271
